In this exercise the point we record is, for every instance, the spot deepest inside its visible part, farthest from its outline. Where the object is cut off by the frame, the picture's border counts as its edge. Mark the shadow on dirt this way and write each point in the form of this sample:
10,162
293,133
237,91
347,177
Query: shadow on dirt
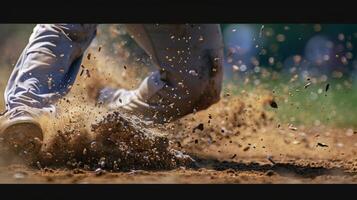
282,169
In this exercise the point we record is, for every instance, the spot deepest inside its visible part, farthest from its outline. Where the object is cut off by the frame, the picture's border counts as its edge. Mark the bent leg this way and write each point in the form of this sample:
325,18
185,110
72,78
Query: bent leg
189,76
48,66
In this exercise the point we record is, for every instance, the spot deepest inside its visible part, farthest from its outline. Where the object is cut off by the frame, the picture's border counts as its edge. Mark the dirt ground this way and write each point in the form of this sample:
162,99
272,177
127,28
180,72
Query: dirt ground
231,142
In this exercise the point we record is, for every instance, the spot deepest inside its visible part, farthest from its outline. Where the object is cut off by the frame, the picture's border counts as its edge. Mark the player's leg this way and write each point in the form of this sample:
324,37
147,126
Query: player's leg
44,72
189,60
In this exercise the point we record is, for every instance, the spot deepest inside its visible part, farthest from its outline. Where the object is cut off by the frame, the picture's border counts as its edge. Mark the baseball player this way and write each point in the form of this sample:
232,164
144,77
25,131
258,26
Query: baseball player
188,78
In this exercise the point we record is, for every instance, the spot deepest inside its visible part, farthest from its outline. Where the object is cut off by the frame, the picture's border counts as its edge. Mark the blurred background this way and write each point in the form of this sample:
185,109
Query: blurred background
310,69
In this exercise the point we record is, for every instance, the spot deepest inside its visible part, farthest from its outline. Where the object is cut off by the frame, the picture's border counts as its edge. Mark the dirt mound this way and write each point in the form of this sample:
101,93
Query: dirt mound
117,142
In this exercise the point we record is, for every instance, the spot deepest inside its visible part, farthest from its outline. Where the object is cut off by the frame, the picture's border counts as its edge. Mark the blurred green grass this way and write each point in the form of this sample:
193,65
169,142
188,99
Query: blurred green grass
309,106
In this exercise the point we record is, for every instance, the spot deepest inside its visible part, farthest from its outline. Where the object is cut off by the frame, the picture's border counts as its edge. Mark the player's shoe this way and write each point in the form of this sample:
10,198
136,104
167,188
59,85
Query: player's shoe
20,133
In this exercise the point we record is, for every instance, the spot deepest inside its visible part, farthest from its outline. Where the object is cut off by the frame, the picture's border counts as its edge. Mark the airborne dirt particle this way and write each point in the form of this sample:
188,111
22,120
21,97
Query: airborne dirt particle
199,127
322,144
307,85
246,148
273,104
327,87
88,73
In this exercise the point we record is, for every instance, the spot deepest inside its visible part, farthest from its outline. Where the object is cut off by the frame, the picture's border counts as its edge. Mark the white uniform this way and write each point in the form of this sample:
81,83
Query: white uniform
189,76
